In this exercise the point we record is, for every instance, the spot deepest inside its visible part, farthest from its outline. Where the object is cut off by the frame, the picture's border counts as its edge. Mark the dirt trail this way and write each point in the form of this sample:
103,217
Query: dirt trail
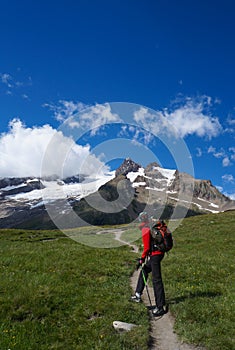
162,332
118,235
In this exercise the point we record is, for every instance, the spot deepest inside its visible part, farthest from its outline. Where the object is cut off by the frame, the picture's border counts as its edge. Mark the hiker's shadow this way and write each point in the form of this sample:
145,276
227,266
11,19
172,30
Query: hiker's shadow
182,298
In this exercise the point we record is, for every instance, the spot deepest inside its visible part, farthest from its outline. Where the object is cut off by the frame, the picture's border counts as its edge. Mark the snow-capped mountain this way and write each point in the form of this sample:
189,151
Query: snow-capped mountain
23,200
31,189
122,193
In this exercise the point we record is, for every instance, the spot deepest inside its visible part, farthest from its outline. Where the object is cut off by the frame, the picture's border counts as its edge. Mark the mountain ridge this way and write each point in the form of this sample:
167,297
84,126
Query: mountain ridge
165,193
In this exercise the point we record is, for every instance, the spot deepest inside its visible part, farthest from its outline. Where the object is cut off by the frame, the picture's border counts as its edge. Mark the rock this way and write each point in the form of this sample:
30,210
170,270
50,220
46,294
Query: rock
74,179
123,326
127,166
14,186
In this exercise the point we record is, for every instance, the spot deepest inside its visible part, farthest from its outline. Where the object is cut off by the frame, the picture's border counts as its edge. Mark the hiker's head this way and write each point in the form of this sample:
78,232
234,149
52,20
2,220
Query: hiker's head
143,217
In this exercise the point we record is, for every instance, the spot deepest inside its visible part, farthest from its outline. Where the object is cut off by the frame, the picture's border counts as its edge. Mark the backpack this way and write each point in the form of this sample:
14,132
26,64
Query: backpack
161,237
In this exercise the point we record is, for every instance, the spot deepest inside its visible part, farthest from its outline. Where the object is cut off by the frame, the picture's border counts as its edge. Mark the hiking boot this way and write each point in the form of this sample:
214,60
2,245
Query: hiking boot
158,311
136,298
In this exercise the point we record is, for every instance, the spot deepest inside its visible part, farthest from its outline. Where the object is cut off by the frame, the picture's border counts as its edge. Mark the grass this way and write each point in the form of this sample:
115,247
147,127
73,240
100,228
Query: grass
56,293
199,280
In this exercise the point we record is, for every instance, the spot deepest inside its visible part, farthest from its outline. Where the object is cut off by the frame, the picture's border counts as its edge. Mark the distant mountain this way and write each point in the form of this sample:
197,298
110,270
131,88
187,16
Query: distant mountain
115,198
126,167
162,192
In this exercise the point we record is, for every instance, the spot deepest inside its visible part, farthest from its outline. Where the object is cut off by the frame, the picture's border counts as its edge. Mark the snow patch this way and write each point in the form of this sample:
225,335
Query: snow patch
8,188
132,175
137,184
214,205
198,205
155,189
168,173
54,191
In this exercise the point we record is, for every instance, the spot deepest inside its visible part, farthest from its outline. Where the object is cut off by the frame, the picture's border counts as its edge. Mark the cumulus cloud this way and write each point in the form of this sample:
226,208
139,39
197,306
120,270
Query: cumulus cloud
23,150
191,117
94,117
79,115
153,122
188,119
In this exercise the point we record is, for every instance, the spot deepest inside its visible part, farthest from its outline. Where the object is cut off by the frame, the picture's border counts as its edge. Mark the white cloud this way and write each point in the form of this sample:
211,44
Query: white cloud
199,152
64,109
136,134
226,161
23,149
211,149
12,85
231,121
232,150
25,96
187,119
228,178
79,115
219,188
94,117
227,156
190,119
219,154
6,79
153,122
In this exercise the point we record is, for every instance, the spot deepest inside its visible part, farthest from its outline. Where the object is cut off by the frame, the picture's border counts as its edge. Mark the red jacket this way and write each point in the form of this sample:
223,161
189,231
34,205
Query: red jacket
146,236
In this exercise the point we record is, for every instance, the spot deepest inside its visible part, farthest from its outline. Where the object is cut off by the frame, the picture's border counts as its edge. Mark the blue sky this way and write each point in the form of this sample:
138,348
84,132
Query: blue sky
174,57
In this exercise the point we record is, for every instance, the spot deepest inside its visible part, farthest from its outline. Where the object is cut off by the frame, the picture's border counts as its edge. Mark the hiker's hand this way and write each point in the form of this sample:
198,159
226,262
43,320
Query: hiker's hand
140,261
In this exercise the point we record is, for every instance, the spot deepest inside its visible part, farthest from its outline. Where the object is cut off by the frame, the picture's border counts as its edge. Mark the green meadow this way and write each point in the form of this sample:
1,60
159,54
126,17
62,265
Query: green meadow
200,280
61,293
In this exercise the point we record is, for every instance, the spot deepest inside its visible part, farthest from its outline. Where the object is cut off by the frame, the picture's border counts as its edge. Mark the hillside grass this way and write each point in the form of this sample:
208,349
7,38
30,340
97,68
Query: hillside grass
56,293
199,280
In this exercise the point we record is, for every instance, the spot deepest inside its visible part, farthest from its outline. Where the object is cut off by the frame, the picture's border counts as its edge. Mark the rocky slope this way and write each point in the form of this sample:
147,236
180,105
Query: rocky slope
162,192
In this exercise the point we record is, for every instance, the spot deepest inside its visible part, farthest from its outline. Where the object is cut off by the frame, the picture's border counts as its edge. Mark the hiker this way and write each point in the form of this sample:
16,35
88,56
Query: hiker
152,260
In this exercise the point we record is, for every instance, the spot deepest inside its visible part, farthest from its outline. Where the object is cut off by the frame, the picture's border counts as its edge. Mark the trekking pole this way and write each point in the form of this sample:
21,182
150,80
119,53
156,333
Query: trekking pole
145,282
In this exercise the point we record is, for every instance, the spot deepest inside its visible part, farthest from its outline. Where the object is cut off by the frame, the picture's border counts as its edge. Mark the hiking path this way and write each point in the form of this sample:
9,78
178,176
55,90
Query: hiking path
162,334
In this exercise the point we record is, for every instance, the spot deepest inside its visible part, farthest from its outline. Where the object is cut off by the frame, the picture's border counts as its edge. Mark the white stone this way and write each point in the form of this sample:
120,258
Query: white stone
123,326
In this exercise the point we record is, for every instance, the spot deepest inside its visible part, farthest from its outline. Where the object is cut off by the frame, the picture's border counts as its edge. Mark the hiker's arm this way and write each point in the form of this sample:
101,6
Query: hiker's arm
146,243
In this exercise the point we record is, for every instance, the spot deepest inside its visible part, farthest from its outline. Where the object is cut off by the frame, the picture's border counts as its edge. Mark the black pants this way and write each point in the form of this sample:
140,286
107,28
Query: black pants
153,265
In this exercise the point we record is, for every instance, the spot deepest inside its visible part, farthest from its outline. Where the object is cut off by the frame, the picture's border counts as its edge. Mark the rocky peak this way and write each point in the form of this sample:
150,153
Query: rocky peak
127,166
151,167
204,189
